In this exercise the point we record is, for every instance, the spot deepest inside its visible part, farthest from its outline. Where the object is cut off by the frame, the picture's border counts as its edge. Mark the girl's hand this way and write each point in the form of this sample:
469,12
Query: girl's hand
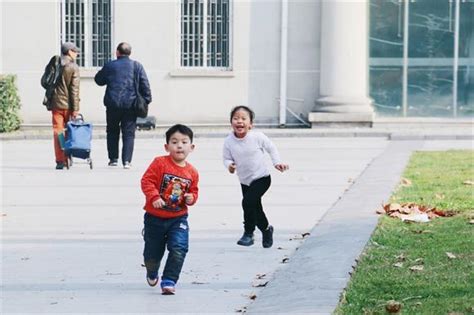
159,203
282,167
232,168
188,198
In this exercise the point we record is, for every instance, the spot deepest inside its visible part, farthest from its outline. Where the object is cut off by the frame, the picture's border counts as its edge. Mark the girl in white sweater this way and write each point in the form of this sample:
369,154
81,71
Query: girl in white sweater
244,152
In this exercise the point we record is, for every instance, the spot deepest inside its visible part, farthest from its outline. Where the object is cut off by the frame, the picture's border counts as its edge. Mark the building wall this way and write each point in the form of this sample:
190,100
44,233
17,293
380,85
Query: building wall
303,58
29,39
152,30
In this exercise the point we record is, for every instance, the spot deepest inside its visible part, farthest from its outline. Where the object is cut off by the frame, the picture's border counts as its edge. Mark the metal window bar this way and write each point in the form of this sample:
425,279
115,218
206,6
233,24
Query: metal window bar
204,33
101,32
88,25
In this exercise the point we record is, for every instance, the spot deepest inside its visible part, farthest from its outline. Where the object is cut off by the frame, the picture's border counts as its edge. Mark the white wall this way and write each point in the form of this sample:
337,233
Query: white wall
303,57
29,39
30,36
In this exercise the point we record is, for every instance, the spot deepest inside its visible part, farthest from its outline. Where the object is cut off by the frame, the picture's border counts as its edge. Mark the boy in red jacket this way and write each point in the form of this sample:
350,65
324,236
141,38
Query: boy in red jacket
170,185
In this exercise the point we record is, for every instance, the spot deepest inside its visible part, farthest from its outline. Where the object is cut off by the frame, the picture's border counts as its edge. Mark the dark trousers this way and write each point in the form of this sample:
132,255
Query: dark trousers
118,120
166,233
252,204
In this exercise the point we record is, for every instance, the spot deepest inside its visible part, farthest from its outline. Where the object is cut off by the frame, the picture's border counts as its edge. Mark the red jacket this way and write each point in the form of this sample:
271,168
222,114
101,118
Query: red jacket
165,179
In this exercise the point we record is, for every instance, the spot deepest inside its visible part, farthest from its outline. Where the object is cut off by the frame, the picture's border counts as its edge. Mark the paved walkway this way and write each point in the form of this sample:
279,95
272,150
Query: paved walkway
71,240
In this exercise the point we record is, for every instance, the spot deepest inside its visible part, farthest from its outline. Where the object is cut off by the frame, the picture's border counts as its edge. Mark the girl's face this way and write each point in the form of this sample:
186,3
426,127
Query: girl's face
241,123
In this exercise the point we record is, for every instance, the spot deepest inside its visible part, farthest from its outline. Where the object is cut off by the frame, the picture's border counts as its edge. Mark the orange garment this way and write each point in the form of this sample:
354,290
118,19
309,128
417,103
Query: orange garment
60,119
168,181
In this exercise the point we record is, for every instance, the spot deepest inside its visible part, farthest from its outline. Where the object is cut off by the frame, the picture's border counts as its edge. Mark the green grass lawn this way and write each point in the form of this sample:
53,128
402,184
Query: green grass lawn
444,285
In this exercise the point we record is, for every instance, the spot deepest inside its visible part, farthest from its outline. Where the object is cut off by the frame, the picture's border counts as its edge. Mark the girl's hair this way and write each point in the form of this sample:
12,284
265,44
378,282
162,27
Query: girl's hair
245,108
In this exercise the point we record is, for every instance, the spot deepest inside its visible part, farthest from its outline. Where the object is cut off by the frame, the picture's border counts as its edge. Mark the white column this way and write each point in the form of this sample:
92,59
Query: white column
344,64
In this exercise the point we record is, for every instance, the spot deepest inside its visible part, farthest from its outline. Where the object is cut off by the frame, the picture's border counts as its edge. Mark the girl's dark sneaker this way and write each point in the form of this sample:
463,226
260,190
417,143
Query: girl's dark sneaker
246,239
152,278
267,237
167,287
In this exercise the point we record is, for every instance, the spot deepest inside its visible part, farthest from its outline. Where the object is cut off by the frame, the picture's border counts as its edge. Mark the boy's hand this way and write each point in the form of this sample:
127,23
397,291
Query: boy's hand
159,203
188,198
232,168
282,167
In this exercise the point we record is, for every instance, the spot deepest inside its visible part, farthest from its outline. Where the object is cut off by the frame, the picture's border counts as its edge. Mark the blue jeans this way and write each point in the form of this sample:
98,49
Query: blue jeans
160,234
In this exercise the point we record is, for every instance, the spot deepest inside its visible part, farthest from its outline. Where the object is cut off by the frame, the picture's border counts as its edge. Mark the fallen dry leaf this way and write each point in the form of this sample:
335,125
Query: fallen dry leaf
305,234
419,260
401,257
260,275
393,306
259,284
471,222
414,212
439,196
451,255
398,265
394,206
416,268
405,182
252,296
468,182
199,282
285,260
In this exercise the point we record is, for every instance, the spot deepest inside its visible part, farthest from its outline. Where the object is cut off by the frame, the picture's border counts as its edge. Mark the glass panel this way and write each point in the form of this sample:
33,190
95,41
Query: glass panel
466,91
386,89
466,60
430,91
386,28
386,52
430,58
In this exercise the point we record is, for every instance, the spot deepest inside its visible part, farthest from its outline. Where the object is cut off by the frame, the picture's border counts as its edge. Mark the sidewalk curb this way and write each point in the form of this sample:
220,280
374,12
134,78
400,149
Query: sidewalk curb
274,133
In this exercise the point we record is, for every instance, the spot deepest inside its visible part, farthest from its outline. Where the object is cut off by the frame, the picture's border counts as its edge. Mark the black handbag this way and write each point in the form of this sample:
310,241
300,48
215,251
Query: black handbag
139,105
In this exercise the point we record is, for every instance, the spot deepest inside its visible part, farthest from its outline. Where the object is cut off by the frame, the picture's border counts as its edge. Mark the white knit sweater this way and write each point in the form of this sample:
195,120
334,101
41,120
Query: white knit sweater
248,154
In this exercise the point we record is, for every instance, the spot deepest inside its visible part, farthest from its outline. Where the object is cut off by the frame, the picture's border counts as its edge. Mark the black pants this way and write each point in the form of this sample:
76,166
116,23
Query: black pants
252,204
118,120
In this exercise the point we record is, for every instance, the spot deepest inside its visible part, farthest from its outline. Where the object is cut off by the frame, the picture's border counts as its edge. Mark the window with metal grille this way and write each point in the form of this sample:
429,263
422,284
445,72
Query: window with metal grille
205,33
88,24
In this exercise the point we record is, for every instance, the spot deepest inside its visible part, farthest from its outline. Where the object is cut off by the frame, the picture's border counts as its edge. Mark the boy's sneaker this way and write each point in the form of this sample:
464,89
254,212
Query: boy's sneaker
167,287
152,278
246,239
267,237
127,165
113,162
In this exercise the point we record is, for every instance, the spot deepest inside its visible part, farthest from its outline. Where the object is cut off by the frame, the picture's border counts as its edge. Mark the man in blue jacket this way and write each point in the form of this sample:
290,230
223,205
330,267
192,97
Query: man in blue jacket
119,75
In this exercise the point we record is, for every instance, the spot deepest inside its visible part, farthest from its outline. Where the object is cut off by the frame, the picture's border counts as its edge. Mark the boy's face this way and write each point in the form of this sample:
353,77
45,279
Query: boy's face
179,146
241,123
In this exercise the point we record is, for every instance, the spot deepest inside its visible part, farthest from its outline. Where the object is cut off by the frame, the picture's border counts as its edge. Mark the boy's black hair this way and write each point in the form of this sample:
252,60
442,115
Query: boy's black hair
185,130
243,107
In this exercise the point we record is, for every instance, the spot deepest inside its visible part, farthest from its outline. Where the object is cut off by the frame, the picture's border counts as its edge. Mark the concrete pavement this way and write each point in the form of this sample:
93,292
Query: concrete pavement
71,240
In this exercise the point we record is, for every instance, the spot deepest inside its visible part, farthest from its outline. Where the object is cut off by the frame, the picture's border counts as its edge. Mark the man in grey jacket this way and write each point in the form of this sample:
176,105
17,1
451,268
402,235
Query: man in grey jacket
119,75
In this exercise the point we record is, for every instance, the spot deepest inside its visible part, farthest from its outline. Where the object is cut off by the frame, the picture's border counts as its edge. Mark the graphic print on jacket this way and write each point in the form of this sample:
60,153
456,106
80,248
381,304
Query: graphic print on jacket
172,191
